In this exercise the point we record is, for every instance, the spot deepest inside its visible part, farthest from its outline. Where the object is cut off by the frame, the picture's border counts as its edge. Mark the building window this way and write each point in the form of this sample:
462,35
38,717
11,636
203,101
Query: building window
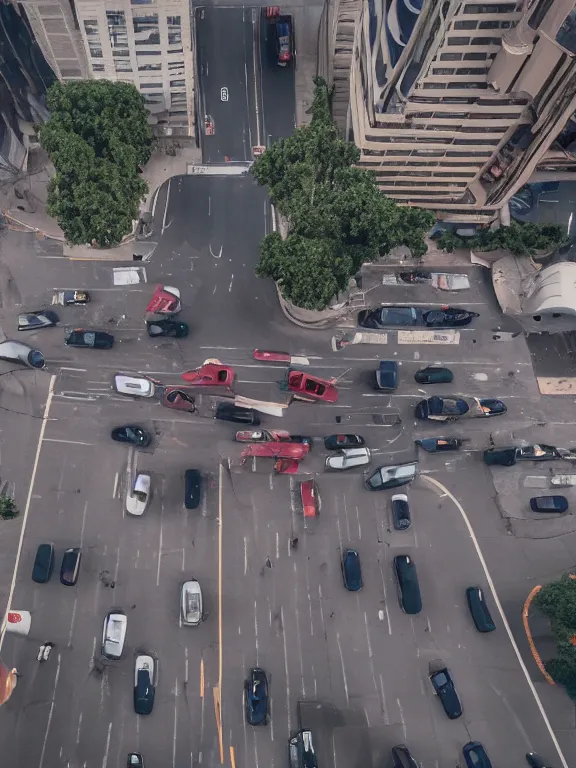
539,13
150,67
95,49
90,27
176,50
173,21
458,40
174,37
502,8
150,85
465,25
98,67
450,57
177,83
121,53
149,53
566,36
153,38
122,66
145,23
175,65
116,18
141,2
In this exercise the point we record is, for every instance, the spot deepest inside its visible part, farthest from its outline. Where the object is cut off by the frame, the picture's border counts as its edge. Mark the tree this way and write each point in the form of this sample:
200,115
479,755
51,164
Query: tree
98,138
557,601
521,239
8,508
335,213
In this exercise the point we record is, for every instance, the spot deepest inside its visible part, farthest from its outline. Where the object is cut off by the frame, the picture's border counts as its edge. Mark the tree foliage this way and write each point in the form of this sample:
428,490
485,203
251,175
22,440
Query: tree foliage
8,508
336,215
97,137
521,239
557,601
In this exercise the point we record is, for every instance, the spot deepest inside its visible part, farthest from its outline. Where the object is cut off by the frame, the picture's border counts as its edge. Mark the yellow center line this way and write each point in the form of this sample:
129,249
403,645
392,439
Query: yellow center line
201,678
220,522
232,757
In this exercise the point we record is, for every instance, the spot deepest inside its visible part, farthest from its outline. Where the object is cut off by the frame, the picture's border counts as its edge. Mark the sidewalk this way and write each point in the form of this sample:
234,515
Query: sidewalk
23,202
306,24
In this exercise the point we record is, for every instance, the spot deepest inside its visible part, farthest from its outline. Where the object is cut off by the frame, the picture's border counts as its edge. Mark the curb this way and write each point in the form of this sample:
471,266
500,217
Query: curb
535,654
8,216
314,325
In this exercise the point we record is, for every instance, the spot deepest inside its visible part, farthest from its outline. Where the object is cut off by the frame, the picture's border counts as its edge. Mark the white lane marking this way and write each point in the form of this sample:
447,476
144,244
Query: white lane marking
83,524
343,669
72,622
385,597
273,211
78,729
79,370
245,555
402,718
160,544
50,713
384,709
255,51
107,750
277,545
115,489
175,724
230,286
213,254
69,442
297,612
256,632
166,206
209,205
27,509
288,700
248,105
460,508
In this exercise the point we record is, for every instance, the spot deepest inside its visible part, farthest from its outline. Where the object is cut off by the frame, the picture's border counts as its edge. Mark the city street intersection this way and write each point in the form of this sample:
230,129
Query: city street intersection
352,666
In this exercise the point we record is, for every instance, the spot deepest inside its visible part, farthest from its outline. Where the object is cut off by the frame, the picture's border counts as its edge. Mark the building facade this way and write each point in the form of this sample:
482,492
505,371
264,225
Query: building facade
144,42
455,105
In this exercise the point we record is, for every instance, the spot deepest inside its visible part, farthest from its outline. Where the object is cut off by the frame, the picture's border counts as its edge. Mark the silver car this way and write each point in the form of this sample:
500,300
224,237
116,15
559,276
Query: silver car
348,458
114,634
191,604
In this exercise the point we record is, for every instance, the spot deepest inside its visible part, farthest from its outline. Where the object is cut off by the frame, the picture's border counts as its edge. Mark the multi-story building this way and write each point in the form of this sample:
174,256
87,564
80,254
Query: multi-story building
145,42
456,104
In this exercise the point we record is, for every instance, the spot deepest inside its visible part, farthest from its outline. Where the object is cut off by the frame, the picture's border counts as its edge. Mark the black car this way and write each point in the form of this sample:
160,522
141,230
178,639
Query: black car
400,512
415,317
386,378
439,444
79,337
256,698
351,570
549,504
70,566
32,321
535,761
144,687
301,752
401,757
335,442
444,686
170,328
131,434
391,477
507,457
450,408
231,412
43,563
475,755
192,488
434,375
479,609
407,583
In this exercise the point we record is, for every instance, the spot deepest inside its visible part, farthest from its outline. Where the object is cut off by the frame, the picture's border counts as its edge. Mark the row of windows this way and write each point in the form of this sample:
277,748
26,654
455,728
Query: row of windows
462,41
391,175
125,66
474,24
453,142
417,184
459,71
425,153
457,86
495,8
409,163
463,116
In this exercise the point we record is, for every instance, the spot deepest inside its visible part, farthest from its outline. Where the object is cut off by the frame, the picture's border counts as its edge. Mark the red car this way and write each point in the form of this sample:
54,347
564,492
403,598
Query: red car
262,436
310,499
179,398
165,301
307,387
277,450
211,374
286,466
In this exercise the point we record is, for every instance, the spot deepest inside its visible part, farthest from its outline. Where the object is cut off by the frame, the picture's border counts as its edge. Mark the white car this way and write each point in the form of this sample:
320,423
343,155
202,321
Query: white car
133,384
191,604
347,458
138,498
114,634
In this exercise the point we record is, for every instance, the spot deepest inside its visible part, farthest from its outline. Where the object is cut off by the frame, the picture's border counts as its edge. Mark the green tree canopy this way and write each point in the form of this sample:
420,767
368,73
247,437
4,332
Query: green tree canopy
8,508
97,137
521,239
334,210
557,601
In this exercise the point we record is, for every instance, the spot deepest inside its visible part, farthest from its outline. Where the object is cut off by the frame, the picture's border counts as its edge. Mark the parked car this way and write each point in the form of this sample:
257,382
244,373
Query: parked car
192,488
70,566
348,458
549,504
391,477
439,444
535,761
256,697
71,298
335,442
387,375
131,434
479,609
309,498
434,375
210,374
191,610
351,570
165,302
405,317
282,32
401,757
301,750
407,583
79,337
450,408
114,634
138,498
445,689
144,684
310,388
231,412
43,563
400,512
507,457
32,321
134,384
135,760
272,436
22,354
475,755
171,328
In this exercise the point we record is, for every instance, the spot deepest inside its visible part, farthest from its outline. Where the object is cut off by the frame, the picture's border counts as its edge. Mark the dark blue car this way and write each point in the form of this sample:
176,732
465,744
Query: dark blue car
387,375
475,755
351,570
257,697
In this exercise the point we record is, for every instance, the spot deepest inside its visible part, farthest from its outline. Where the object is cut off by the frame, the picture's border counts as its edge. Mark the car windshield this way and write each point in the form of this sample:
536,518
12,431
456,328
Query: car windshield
192,603
398,316
440,679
